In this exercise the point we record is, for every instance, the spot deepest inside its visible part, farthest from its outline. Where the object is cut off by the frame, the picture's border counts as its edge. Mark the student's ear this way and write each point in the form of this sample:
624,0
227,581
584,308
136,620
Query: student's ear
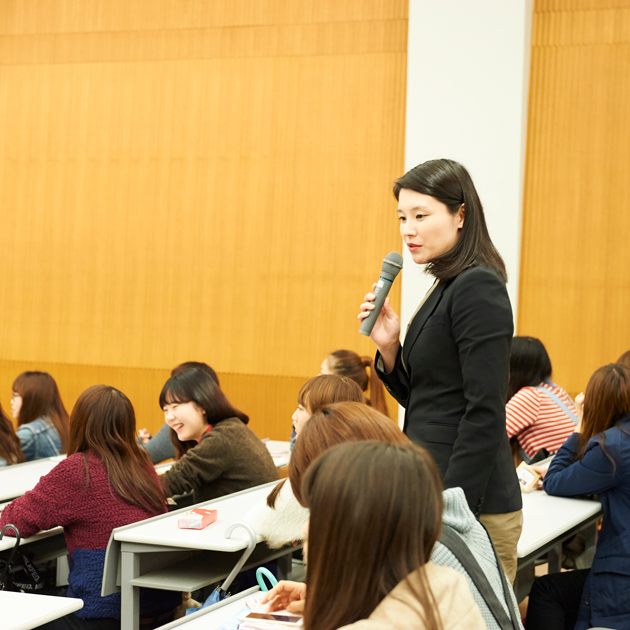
461,212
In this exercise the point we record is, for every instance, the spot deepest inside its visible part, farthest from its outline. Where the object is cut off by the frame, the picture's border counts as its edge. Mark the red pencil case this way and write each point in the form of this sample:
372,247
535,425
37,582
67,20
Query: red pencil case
197,519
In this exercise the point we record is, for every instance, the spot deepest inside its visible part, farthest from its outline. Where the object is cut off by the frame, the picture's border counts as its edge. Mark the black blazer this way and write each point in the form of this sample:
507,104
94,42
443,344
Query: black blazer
451,376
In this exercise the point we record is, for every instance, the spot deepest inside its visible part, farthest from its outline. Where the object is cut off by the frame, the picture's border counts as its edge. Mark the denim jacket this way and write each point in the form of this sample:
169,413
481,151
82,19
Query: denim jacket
39,439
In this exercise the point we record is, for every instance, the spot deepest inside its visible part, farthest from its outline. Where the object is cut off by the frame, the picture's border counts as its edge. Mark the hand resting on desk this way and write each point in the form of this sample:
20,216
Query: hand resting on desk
286,595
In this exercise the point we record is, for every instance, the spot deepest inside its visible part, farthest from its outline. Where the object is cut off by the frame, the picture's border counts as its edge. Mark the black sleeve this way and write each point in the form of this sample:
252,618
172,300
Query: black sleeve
397,381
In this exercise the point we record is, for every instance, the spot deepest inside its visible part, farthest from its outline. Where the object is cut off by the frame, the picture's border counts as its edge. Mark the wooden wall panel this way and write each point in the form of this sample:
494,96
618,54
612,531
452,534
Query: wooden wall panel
575,268
190,180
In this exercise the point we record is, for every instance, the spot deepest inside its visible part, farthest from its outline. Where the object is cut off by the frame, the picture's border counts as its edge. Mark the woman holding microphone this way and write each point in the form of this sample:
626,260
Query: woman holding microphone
451,375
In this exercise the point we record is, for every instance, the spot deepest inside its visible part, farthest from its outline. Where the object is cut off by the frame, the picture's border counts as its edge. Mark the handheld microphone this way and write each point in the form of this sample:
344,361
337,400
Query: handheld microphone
392,264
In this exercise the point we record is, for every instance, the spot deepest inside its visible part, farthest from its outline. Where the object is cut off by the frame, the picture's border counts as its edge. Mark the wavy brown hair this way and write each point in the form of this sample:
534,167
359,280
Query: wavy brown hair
41,399
606,401
103,421
361,370
328,388
316,393
335,424
376,513
450,183
10,448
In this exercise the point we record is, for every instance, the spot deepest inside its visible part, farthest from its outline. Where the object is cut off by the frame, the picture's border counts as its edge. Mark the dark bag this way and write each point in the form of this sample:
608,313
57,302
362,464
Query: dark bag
18,573
455,544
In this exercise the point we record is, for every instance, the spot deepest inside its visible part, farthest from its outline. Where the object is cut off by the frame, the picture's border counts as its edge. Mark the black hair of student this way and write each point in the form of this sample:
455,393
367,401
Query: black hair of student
530,364
450,183
199,387
190,365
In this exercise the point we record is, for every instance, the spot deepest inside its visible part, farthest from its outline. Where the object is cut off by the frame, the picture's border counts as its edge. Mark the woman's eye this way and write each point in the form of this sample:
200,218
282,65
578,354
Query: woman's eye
419,216
401,218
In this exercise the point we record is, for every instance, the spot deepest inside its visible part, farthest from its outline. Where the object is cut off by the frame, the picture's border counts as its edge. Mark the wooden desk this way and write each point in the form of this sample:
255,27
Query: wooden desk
547,523
157,554
18,479
22,611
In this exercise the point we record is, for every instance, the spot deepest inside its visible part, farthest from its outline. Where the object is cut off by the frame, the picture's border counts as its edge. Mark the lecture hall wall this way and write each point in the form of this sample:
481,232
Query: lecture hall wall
191,180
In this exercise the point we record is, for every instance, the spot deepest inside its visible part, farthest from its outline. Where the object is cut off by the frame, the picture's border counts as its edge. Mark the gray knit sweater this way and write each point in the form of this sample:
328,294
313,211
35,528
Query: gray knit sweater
458,516
228,459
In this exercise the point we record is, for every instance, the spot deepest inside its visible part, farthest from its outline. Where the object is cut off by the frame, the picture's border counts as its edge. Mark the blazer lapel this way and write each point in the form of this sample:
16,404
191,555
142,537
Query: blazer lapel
420,319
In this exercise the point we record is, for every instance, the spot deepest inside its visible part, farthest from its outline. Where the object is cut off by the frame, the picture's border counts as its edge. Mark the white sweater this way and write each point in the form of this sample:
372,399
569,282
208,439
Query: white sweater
281,525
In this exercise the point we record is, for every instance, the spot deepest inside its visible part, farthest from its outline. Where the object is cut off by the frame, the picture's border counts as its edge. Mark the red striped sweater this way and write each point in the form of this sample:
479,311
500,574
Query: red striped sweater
537,421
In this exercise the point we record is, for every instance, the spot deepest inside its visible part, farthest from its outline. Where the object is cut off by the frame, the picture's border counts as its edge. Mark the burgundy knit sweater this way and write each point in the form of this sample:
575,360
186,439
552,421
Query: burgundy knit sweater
88,514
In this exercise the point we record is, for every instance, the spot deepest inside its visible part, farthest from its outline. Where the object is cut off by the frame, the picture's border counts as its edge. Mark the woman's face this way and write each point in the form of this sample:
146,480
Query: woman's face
426,225
16,405
300,417
188,420
325,368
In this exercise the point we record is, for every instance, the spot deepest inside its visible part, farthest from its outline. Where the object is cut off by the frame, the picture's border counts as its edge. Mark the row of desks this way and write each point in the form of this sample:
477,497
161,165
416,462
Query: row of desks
156,553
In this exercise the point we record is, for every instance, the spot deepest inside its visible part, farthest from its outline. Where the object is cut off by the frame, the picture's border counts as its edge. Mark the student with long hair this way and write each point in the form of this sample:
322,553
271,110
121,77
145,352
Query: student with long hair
41,416
451,375
216,452
369,566
351,422
159,447
594,460
323,390
105,482
361,371
10,450
280,520
540,415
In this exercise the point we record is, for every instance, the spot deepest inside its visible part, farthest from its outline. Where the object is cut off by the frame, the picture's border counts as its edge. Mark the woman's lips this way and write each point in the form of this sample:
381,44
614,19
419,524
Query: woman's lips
413,247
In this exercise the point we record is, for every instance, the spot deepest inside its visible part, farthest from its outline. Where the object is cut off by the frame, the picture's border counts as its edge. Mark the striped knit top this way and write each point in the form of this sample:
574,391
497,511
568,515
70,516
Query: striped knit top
537,421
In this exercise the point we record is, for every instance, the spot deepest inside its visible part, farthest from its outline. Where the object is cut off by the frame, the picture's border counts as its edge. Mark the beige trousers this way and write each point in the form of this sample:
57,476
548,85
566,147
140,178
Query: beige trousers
505,530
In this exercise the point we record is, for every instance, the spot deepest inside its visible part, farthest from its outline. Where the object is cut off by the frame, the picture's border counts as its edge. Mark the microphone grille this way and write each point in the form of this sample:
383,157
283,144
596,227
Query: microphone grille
394,258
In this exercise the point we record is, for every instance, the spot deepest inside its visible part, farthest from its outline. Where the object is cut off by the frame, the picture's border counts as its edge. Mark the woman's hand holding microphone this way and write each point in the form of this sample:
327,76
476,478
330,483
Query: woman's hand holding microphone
386,331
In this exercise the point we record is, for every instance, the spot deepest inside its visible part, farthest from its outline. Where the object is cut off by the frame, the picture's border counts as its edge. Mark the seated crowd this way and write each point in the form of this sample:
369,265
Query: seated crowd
387,546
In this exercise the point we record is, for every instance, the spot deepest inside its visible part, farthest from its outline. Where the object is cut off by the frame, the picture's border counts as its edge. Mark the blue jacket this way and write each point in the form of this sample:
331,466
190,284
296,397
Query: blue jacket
39,439
606,596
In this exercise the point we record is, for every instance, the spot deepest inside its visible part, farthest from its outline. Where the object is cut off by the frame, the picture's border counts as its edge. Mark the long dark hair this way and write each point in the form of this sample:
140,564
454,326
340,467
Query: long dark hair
10,448
350,364
41,399
376,513
606,400
530,364
195,385
199,365
450,183
103,421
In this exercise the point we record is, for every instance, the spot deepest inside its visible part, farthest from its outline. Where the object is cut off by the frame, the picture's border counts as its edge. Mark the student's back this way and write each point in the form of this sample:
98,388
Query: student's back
104,483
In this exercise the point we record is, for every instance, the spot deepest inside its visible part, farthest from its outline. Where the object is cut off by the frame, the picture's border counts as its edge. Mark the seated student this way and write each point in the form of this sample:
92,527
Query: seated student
594,460
540,414
159,447
216,452
375,517
280,520
351,422
10,451
105,482
42,418
350,364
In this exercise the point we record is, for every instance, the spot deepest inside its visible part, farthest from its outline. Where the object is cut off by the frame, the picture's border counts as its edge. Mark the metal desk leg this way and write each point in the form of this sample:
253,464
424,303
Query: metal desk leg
554,558
130,595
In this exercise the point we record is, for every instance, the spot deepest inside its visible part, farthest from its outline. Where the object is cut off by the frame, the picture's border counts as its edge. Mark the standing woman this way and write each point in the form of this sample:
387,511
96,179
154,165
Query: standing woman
451,375
42,418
